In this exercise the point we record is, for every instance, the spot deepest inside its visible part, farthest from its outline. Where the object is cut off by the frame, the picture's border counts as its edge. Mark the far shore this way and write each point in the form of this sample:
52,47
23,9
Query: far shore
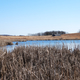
4,40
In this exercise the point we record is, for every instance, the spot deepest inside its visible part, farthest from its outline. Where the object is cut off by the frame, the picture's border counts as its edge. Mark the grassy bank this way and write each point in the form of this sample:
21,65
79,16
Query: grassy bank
40,63
4,40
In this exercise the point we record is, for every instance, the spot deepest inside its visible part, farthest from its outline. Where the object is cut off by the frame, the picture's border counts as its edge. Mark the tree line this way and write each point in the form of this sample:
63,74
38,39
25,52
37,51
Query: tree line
49,33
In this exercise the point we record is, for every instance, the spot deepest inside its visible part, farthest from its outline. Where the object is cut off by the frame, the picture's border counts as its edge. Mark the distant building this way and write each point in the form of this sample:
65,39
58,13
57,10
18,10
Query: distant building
57,34
53,34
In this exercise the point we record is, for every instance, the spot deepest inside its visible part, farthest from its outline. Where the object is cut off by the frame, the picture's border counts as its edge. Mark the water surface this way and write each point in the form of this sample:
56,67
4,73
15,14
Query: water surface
71,44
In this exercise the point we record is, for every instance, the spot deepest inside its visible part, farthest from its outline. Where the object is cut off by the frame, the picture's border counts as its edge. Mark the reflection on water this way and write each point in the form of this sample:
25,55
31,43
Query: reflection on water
70,44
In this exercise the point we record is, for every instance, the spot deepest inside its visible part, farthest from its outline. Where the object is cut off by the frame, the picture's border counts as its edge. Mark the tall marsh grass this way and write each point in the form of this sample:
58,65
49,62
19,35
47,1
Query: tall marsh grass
40,63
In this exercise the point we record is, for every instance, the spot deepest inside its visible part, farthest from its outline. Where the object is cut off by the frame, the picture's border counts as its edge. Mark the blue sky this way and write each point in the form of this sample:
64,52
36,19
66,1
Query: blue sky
23,17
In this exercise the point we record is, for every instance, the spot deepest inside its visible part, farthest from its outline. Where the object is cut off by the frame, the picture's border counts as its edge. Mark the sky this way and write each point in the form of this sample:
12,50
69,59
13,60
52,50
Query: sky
23,17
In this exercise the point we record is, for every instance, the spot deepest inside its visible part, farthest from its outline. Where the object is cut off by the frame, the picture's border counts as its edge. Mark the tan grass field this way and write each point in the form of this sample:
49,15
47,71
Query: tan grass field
50,37
73,36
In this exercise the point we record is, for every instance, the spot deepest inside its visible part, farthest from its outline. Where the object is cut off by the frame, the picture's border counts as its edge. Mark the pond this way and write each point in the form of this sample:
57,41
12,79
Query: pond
70,44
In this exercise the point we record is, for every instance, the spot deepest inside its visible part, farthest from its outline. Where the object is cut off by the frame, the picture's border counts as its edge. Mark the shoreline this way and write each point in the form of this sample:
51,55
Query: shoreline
4,40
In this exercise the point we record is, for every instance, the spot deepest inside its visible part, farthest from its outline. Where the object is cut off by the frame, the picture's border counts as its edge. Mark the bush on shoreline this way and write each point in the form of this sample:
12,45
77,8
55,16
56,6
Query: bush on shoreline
40,63
4,43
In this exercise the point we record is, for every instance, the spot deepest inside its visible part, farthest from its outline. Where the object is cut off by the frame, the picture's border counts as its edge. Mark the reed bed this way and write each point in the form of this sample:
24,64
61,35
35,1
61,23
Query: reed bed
5,42
40,63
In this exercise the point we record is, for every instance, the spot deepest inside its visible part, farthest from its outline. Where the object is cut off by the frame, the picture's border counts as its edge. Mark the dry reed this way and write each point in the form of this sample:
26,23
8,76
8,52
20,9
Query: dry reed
40,63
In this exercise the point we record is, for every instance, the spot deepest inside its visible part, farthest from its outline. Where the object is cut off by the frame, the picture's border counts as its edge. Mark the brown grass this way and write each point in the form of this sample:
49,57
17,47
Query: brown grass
5,42
40,63
4,39
23,38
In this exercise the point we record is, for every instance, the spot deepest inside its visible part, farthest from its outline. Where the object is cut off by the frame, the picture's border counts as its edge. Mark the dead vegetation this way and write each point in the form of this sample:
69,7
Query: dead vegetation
49,37
9,39
40,63
5,42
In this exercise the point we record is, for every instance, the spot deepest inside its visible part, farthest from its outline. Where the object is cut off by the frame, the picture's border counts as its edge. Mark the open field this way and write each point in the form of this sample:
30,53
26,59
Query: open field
40,63
50,37
4,39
